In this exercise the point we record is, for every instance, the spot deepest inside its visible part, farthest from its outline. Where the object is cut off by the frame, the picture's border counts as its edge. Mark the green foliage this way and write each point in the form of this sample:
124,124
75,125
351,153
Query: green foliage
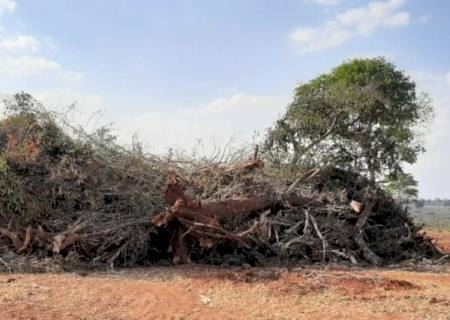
403,188
30,133
362,116
11,194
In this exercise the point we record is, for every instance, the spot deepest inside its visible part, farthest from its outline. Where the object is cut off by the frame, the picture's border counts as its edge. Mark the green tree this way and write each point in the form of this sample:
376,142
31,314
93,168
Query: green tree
362,116
403,188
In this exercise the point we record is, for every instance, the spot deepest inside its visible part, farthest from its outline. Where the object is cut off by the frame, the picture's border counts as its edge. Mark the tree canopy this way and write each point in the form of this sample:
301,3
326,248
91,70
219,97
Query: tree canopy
403,188
362,116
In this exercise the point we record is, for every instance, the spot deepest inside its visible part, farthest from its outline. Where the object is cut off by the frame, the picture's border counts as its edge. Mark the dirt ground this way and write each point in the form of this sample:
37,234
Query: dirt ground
199,292
442,238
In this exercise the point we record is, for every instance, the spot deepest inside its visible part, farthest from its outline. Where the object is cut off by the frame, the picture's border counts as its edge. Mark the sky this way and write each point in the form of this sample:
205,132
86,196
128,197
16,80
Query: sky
187,74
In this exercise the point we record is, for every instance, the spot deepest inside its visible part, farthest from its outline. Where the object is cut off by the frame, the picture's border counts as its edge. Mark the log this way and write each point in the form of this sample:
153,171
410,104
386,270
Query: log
183,206
209,212
368,254
356,206
201,219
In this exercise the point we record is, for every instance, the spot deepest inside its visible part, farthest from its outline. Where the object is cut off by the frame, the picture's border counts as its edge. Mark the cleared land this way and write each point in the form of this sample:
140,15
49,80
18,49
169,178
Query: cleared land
199,292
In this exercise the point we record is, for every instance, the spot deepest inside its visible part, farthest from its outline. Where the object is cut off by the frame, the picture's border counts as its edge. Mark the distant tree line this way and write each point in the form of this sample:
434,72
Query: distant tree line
436,202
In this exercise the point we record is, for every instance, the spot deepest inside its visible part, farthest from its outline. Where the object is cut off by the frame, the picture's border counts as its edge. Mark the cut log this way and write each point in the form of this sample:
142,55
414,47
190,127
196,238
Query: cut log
356,206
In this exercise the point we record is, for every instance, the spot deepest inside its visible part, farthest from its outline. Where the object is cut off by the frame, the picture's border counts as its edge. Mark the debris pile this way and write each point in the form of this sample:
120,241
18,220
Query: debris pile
308,220
66,193
80,199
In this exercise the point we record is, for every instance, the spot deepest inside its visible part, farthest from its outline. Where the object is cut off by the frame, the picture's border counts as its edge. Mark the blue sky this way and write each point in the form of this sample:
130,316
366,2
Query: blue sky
179,71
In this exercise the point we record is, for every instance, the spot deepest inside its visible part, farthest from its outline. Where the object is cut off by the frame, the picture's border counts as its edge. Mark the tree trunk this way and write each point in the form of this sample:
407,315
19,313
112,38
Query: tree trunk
359,235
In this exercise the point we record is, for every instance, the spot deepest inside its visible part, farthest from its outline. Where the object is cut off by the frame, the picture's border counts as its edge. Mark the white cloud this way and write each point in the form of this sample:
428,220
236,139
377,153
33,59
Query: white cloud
24,66
326,2
357,22
7,5
21,67
73,77
19,43
437,84
19,58
60,99
238,116
89,112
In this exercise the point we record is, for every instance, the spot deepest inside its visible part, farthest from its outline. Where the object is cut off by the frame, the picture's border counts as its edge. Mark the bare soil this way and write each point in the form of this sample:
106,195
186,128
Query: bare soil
200,292
442,238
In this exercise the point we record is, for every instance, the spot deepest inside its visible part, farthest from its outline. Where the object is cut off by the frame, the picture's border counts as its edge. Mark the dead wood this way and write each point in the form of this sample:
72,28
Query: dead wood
359,235
284,223
17,243
27,239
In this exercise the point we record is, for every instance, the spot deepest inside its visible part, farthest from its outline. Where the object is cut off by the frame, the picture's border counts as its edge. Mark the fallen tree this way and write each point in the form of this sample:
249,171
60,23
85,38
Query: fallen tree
288,225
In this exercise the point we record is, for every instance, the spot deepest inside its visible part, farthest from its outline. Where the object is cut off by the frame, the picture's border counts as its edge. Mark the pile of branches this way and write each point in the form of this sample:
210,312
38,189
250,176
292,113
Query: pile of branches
323,215
67,193
80,199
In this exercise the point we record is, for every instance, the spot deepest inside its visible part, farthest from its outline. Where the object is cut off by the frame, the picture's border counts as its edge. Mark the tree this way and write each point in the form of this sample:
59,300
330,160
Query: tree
403,188
420,203
362,116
